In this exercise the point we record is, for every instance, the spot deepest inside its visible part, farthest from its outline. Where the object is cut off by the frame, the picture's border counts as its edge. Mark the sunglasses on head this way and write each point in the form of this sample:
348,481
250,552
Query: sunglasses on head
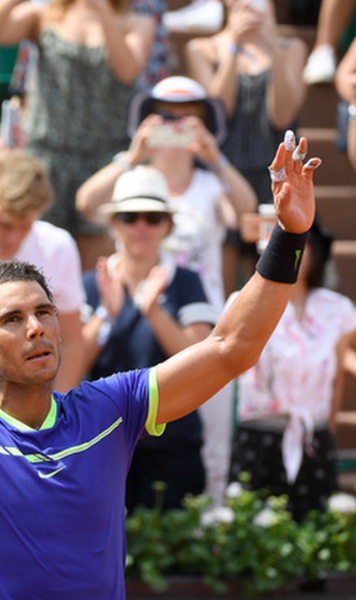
151,218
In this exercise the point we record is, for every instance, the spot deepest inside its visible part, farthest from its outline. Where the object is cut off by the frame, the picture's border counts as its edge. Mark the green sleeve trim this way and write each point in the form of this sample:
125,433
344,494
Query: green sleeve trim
151,426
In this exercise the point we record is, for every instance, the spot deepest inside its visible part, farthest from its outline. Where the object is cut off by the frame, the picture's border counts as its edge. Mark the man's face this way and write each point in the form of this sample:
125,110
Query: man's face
29,334
13,230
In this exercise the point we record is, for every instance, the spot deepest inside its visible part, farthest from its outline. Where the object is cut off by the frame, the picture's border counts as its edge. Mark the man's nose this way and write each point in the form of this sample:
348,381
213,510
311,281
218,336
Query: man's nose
34,327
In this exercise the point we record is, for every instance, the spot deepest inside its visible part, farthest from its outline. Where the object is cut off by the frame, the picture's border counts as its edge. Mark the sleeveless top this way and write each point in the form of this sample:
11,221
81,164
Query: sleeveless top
76,103
252,140
76,120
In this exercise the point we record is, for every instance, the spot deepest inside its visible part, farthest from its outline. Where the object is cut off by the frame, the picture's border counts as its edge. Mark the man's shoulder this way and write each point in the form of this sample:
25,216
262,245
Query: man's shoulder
52,234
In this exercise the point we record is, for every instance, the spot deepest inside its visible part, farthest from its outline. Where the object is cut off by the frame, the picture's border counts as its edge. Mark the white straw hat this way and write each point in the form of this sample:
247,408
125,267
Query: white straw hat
178,89
143,189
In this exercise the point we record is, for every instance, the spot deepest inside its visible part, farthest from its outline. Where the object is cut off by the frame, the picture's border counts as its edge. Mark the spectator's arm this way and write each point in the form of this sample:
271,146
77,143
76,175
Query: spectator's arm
71,368
287,90
342,351
128,40
345,79
18,21
97,190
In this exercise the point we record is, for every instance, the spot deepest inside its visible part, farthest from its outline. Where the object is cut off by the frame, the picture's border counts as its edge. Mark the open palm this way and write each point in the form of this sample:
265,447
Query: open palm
294,198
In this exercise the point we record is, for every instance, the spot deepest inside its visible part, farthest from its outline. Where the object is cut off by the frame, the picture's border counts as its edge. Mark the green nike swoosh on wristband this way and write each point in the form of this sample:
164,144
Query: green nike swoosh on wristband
298,254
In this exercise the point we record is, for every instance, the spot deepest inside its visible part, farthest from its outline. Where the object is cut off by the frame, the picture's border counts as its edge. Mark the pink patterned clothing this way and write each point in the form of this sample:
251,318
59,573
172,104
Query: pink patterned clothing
295,373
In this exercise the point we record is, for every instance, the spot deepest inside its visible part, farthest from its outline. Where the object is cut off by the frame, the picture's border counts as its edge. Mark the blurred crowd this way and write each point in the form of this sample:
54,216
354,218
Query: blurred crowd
136,137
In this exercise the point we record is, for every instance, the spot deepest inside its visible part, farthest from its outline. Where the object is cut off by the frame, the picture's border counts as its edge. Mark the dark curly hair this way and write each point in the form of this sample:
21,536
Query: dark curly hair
16,270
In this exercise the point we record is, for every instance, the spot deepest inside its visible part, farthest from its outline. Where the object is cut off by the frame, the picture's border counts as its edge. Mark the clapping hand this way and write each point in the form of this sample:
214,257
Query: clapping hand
292,185
111,288
154,286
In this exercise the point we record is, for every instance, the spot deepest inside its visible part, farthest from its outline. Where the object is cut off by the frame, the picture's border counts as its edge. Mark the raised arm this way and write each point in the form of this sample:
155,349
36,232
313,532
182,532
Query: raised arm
18,21
345,82
98,189
191,377
212,61
128,40
286,90
239,197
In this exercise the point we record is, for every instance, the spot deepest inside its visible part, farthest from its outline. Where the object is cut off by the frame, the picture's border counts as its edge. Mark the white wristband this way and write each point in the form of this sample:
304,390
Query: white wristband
104,333
103,314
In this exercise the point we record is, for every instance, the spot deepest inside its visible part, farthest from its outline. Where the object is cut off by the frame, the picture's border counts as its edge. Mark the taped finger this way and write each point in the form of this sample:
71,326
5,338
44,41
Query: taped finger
277,176
289,140
310,166
298,155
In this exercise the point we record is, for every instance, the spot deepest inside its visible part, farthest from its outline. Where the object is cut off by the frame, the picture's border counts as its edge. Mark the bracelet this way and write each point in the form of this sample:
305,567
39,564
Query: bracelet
103,314
104,333
234,49
282,257
219,170
120,159
352,112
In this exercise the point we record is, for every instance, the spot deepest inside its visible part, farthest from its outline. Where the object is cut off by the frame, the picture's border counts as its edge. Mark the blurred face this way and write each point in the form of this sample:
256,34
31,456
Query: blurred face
178,110
29,334
141,233
13,231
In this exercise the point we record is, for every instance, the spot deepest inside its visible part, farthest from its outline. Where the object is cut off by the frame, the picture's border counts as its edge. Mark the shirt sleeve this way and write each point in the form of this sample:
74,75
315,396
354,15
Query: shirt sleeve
151,427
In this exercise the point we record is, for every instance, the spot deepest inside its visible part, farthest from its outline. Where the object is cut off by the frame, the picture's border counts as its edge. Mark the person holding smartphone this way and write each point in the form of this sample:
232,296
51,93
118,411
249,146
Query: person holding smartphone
258,75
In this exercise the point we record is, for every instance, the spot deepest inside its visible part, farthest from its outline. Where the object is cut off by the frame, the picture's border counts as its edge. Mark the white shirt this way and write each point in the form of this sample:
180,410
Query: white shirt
198,233
297,367
54,250
296,370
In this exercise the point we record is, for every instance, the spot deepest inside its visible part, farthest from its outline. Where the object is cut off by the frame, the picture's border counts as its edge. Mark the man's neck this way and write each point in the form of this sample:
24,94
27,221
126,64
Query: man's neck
26,404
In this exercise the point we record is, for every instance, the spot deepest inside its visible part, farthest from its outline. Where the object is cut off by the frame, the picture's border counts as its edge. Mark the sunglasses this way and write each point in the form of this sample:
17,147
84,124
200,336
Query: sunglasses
151,218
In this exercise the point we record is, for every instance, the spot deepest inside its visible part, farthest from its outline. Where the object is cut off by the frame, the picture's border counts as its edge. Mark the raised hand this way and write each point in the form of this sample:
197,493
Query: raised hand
138,150
111,289
204,145
292,185
155,284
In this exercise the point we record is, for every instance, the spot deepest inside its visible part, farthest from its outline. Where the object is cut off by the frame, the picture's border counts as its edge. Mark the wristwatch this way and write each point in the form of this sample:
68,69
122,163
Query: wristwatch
120,159
352,112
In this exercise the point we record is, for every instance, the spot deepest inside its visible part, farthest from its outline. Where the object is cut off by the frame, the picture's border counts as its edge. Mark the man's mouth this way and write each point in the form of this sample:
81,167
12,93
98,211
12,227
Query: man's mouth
39,355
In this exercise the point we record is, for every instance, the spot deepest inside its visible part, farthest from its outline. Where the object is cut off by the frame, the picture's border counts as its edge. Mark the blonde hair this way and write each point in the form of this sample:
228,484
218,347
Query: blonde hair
24,185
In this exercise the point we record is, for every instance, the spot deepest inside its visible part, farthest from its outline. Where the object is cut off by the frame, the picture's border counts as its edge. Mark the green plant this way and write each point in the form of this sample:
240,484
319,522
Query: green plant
252,537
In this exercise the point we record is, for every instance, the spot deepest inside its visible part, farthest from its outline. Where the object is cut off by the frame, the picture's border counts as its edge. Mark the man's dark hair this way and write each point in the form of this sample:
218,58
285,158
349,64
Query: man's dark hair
16,270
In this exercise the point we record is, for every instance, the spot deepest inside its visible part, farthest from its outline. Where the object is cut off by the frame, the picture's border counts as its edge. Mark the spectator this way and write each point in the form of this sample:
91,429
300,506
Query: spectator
334,19
287,403
148,311
345,82
25,193
90,54
258,76
206,200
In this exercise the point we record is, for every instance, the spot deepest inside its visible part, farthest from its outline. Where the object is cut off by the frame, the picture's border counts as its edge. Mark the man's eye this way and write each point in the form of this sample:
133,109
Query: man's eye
12,319
43,312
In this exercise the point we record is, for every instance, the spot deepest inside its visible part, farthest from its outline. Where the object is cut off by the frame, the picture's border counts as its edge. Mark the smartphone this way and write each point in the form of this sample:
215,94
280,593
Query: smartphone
171,135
